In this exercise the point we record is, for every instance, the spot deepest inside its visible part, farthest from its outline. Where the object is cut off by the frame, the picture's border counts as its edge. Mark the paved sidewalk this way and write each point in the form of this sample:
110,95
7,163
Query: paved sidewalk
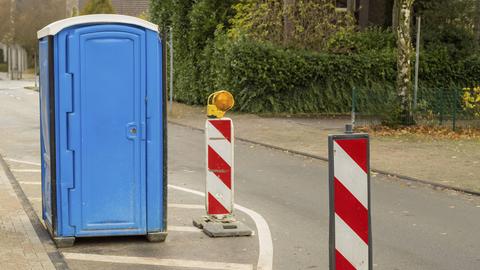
20,247
441,161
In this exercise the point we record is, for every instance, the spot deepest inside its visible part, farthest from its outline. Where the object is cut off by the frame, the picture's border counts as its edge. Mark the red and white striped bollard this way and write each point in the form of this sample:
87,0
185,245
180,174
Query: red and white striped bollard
350,219
220,165
219,188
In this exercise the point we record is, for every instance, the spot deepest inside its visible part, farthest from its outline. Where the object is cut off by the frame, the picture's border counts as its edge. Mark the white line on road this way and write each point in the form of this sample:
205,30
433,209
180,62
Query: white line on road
265,256
186,206
156,261
22,161
29,183
25,170
36,199
198,193
183,229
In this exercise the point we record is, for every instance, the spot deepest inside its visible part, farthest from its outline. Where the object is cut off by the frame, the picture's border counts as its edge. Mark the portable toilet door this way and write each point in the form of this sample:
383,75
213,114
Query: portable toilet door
103,128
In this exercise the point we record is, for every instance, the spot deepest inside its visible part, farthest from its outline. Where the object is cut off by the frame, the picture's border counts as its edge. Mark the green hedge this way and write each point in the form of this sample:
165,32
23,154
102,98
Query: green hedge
265,78
268,79
437,69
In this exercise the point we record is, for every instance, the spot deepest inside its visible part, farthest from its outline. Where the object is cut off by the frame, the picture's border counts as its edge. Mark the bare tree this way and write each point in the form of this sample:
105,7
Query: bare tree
288,28
32,16
404,54
4,20
98,7
9,34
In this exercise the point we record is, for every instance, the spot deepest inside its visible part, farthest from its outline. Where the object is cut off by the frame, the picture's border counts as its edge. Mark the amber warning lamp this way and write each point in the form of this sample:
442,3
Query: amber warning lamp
219,103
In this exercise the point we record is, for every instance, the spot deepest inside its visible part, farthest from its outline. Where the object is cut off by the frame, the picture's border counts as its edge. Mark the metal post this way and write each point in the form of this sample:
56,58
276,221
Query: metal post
14,62
348,129
442,104
354,97
11,39
20,63
171,70
454,113
35,68
9,62
417,63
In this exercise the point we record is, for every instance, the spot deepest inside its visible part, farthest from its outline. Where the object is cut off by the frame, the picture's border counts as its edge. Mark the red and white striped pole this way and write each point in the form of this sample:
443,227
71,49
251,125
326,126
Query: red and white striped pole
220,221
350,221
220,177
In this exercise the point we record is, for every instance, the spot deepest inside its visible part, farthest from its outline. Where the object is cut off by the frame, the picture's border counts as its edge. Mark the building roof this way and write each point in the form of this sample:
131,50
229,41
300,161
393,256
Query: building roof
130,7
57,26
125,7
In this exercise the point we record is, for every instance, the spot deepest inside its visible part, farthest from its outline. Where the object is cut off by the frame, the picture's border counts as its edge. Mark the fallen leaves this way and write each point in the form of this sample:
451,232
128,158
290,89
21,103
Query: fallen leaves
435,132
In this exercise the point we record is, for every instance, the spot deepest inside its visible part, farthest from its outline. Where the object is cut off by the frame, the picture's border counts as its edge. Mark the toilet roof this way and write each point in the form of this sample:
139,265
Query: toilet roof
58,26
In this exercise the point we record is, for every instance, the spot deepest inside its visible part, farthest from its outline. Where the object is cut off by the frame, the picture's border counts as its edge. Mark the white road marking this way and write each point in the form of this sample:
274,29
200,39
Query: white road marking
265,243
186,206
265,256
29,183
156,261
23,161
198,193
25,170
36,199
183,229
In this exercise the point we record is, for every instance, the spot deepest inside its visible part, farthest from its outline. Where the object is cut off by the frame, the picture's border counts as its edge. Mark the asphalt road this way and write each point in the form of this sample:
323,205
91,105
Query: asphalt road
414,227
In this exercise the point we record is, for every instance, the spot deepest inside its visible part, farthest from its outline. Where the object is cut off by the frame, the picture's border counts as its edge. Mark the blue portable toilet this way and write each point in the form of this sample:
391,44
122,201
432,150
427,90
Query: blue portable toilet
103,128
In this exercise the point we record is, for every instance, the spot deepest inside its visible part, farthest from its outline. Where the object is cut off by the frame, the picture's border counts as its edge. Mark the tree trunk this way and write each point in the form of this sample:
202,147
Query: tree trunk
363,16
352,7
288,30
477,20
404,54
395,14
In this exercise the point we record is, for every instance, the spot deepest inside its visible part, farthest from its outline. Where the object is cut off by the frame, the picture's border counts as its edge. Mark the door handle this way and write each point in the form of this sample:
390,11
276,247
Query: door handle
131,131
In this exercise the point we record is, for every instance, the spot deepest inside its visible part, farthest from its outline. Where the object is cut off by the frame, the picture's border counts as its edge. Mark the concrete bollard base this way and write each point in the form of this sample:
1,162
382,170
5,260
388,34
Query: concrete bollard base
222,228
63,242
157,236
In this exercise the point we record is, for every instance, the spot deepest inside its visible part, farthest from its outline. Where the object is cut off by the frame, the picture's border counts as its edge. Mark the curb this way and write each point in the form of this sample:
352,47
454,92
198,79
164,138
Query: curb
55,256
401,177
